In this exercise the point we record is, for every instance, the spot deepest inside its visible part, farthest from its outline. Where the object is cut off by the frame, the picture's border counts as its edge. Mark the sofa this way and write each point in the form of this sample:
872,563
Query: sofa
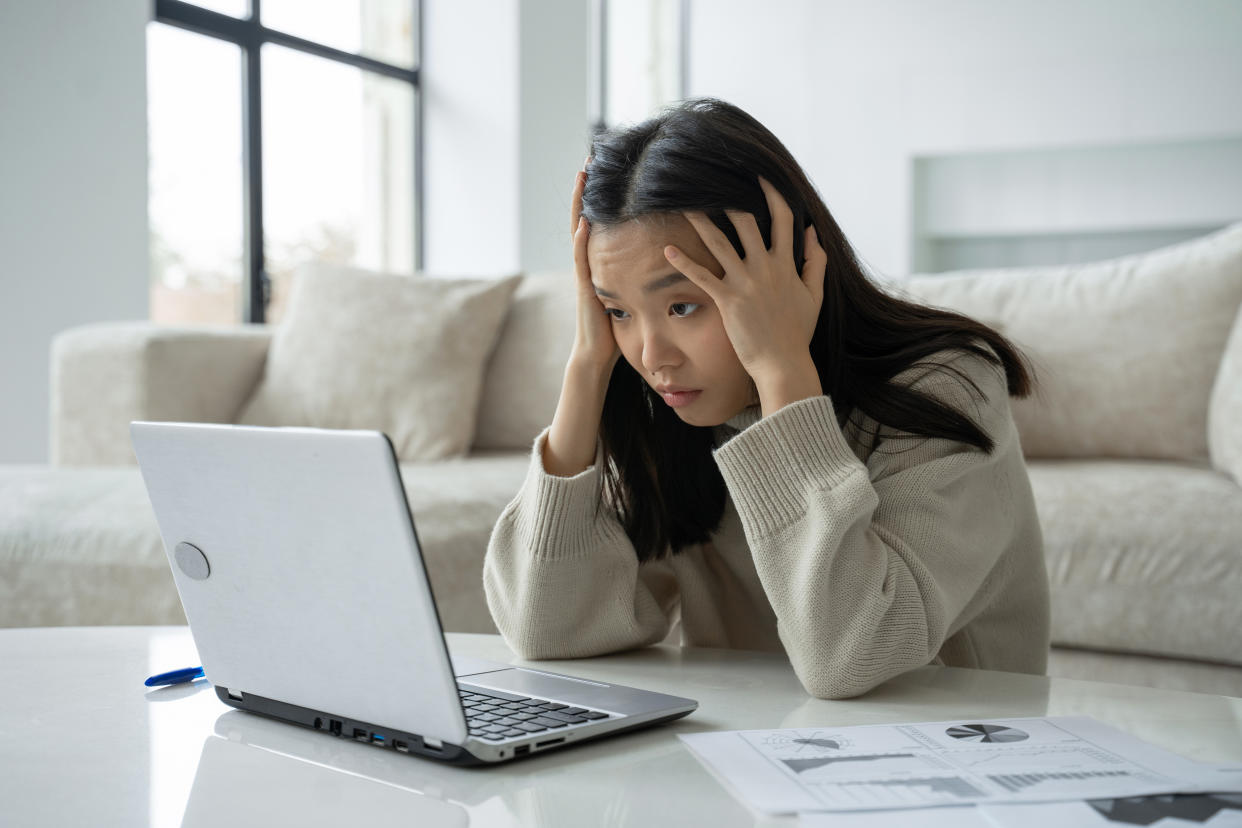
1133,443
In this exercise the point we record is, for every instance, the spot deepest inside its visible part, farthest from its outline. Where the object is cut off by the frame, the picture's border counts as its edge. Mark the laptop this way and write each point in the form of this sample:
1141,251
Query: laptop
299,569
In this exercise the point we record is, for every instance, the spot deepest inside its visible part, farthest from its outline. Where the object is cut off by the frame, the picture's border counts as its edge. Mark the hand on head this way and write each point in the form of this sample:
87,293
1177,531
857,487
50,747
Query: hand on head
769,310
594,343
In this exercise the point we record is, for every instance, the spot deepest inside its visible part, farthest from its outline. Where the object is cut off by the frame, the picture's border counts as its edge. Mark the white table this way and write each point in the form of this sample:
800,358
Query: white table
82,742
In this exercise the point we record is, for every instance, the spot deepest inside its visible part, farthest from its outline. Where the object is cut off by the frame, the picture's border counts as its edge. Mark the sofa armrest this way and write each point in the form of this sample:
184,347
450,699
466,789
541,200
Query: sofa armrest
105,375
1225,408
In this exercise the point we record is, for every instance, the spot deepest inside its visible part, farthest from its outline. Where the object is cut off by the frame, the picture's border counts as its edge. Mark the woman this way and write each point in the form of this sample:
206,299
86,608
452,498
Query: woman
753,438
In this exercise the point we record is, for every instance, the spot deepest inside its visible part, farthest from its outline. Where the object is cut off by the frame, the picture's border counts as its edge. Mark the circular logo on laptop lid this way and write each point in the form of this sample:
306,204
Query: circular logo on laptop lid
191,560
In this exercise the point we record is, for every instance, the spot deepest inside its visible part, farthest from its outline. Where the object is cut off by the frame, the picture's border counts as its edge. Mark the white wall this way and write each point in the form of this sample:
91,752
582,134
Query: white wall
506,127
470,133
73,190
554,126
859,91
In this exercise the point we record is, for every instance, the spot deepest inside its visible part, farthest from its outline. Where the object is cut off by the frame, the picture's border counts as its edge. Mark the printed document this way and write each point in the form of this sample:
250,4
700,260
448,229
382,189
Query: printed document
876,767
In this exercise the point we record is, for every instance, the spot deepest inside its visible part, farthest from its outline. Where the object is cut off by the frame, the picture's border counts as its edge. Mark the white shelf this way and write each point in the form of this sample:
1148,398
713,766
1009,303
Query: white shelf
1042,206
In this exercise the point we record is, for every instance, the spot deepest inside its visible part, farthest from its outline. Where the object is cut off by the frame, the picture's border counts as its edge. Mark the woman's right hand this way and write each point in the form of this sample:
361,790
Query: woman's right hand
594,344
570,447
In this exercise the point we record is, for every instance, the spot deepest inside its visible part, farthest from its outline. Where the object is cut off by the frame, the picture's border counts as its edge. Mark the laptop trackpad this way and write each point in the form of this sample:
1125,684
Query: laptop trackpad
580,692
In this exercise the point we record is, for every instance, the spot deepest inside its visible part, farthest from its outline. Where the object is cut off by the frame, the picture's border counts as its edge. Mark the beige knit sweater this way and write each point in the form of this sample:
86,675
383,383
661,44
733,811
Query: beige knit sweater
859,564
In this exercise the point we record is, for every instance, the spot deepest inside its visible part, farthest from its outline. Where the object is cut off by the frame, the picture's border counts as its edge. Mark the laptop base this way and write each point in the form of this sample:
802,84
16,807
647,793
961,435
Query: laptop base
347,728
386,737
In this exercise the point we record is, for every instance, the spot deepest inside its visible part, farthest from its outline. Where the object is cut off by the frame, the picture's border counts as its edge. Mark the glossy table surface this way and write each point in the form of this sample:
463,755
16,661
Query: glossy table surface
83,742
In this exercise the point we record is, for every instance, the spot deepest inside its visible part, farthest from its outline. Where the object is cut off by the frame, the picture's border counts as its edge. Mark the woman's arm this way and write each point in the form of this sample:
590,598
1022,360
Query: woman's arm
572,438
561,578
869,578
560,575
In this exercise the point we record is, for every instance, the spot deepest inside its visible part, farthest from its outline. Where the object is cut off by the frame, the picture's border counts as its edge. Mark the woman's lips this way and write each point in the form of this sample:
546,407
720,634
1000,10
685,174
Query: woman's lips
676,399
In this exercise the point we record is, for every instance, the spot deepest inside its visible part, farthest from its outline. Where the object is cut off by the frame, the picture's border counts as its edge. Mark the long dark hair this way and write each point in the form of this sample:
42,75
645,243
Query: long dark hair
705,154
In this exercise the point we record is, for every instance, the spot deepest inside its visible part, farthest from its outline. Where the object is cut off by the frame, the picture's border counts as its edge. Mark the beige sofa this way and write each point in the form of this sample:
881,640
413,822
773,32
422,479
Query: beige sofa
1134,449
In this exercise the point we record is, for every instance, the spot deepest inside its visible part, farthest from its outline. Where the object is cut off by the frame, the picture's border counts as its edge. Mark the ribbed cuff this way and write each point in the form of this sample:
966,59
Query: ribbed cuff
557,515
771,467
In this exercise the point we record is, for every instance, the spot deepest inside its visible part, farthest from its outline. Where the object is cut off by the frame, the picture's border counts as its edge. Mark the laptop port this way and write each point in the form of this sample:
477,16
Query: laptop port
549,742
334,725
400,745
318,723
360,734
521,750
377,738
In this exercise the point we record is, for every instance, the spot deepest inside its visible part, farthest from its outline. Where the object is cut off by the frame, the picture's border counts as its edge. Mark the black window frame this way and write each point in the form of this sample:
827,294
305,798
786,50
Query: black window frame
249,35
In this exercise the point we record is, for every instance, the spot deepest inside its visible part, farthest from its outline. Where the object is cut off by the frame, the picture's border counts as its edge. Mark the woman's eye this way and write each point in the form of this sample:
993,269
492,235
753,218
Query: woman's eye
683,308
615,313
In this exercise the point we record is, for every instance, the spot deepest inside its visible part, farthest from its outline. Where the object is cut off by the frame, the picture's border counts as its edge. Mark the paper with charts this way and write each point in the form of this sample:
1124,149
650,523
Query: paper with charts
941,763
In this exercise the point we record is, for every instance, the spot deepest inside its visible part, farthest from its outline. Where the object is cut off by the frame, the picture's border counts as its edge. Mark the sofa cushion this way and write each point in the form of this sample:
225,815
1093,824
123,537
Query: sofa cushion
80,546
1125,351
523,379
400,354
1225,408
455,504
1143,556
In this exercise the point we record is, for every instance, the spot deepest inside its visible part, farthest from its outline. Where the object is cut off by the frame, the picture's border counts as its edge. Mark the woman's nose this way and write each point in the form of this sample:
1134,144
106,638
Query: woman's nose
659,352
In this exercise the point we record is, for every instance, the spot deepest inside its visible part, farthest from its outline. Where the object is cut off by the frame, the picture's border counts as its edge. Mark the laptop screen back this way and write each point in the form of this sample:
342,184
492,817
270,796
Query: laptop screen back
314,592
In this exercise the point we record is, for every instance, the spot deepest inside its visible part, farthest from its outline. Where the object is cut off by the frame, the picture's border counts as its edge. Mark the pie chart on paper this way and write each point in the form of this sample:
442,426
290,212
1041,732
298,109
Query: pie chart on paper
986,733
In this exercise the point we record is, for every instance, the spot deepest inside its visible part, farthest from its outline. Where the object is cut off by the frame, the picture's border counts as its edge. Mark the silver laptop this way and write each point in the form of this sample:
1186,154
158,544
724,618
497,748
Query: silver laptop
298,565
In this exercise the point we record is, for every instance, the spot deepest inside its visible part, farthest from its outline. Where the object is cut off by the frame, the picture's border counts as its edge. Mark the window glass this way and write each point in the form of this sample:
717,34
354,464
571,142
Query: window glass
644,58
338,178
379,29
233,8
194,177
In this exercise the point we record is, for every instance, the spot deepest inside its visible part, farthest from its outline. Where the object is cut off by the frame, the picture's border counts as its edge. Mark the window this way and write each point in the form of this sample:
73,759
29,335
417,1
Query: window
280,133
640,60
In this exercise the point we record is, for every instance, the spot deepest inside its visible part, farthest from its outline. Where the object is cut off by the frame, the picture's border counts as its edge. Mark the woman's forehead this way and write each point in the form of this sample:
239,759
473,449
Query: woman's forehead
635,249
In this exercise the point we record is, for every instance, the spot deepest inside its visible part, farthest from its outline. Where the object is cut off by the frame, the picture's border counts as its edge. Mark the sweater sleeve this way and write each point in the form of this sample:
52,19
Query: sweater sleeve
867,576
561,577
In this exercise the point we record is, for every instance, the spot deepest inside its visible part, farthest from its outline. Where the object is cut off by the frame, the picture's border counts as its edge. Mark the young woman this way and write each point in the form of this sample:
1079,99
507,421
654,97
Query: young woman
756,440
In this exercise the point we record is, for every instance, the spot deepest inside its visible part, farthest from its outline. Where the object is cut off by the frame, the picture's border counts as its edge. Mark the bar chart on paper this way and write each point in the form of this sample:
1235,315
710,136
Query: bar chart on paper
1016,782
907,791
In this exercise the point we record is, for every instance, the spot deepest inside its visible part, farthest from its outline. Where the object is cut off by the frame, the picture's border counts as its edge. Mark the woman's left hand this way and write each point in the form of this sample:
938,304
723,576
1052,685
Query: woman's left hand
769,311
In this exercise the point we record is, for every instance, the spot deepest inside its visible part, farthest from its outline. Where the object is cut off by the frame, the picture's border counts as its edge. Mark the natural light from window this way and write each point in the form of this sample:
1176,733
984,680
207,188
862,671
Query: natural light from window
338,161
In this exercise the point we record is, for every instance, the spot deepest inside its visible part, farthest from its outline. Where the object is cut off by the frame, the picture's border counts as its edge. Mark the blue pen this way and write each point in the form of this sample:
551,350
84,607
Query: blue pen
175,676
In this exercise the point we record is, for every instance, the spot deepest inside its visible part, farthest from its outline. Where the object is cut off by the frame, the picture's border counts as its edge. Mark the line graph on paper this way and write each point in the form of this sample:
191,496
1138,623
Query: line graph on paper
1048,757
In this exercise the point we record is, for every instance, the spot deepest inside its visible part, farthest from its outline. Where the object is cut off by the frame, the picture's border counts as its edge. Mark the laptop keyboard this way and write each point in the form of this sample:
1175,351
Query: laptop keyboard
491,714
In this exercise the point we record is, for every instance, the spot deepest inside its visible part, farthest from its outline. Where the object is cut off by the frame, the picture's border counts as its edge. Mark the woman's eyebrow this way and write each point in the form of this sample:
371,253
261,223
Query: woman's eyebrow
661,282
658,283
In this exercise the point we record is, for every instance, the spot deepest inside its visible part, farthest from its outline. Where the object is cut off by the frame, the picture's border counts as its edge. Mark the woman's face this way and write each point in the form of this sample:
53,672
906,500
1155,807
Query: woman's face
667,328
